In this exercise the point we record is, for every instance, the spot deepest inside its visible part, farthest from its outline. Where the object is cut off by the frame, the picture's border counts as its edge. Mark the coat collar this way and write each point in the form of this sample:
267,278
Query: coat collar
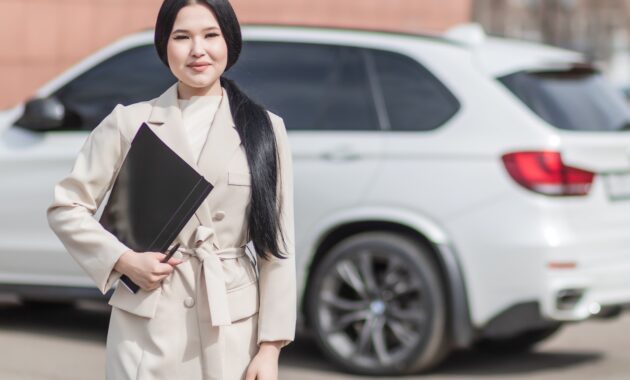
166,107
222,143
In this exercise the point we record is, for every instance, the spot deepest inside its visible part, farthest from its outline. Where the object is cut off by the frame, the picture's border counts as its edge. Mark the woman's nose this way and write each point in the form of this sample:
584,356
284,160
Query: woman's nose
197,48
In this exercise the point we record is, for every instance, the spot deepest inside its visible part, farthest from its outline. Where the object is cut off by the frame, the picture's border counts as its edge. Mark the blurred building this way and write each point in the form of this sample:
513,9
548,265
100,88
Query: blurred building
598,28
40,39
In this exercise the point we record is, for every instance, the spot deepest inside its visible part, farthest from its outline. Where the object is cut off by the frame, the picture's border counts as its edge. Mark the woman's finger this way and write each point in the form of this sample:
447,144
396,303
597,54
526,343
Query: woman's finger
174,262
251,375
163,269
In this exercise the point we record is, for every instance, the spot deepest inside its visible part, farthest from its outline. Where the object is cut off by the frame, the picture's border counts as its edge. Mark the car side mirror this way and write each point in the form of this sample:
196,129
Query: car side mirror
42,114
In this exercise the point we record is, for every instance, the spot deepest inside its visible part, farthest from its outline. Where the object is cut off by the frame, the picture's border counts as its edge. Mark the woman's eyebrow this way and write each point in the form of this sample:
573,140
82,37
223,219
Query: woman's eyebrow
186,31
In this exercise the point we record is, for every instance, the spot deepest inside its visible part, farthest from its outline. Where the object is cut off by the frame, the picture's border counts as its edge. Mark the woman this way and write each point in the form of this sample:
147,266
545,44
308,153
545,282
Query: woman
210,312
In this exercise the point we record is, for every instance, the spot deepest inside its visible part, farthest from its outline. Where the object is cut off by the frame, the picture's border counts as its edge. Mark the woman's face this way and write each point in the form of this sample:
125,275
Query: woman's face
197,52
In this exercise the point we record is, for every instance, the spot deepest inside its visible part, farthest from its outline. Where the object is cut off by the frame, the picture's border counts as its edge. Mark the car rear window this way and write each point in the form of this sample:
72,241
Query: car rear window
578,99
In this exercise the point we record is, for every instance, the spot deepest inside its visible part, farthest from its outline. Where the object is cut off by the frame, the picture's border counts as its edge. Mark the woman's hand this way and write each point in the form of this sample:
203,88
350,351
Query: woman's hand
145,269
264,366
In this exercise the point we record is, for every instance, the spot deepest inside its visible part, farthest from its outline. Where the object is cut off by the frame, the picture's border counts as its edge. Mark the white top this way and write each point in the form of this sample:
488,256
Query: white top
197,115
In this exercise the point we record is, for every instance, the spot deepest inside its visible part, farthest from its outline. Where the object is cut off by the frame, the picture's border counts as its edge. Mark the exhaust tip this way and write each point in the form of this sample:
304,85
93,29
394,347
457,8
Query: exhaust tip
567,299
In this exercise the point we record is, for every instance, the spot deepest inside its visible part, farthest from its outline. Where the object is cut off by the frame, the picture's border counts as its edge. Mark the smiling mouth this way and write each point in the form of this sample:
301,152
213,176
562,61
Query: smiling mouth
201,67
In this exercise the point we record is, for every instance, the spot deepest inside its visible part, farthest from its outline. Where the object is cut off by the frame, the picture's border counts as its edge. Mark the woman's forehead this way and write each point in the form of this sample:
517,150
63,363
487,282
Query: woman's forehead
195,17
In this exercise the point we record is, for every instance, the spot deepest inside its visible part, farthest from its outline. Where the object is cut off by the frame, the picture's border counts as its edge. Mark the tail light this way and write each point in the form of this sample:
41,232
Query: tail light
545,173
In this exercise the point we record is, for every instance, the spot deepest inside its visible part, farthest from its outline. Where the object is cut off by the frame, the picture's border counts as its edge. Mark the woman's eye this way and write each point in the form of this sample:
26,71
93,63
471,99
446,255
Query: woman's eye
211,35
180,37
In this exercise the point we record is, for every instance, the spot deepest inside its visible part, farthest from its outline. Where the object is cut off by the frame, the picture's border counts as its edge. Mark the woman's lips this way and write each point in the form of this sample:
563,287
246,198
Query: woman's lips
199,67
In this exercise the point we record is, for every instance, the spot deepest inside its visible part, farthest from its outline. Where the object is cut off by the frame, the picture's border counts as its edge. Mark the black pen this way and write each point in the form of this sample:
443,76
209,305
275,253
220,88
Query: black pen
170,253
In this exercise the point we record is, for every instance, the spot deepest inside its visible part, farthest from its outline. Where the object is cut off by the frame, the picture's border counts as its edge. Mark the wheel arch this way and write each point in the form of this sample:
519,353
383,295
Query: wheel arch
422,231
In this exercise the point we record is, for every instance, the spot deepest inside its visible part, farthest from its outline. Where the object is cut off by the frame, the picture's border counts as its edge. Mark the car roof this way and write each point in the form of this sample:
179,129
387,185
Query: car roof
313,34
494,56
347,31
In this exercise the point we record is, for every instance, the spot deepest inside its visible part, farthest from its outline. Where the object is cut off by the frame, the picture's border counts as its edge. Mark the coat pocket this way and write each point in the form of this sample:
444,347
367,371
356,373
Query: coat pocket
142,303
242,287
243,301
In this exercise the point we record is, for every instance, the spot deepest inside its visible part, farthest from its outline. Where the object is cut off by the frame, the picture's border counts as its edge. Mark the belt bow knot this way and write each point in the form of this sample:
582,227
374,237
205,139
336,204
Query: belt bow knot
213,276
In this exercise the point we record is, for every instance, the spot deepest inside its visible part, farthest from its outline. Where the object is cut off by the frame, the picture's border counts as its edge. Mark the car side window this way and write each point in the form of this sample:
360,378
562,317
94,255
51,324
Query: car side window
414,98
312,86
132,76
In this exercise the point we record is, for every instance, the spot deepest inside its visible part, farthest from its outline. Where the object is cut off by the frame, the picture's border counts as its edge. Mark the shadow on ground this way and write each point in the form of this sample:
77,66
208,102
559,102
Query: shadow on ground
90,323
61,320
304,354
478,363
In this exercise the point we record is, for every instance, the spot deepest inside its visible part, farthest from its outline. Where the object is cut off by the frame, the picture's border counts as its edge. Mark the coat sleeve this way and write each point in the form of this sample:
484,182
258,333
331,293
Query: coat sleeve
277,277
77,197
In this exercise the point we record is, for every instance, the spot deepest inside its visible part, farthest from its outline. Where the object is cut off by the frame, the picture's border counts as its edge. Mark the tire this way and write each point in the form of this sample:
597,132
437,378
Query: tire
520,343
376,306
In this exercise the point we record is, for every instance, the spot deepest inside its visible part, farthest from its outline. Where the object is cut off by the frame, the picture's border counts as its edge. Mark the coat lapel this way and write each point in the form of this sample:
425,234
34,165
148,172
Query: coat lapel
222,143
166,122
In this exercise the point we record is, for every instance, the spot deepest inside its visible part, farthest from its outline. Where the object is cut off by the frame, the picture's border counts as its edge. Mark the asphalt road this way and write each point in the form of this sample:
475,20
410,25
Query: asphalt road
46,343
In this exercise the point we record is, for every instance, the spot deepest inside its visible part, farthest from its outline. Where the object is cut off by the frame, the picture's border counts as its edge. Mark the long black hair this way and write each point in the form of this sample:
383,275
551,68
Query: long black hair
252,123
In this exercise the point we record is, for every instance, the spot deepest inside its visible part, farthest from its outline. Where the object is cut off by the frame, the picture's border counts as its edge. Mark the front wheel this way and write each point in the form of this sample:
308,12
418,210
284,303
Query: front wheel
377,306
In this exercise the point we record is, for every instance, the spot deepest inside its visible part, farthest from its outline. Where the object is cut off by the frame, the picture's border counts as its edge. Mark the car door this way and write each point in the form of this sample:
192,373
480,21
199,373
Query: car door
323,94
32,162
421,155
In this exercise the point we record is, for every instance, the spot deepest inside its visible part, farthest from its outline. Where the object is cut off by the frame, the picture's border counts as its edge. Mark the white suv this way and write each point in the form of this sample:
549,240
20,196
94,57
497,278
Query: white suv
447,194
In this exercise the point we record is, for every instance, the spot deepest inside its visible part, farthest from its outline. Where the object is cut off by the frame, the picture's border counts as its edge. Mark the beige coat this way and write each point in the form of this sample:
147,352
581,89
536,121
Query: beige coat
208,318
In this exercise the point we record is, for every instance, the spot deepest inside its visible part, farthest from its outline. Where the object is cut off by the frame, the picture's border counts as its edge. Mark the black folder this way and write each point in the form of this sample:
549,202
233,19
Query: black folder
154,195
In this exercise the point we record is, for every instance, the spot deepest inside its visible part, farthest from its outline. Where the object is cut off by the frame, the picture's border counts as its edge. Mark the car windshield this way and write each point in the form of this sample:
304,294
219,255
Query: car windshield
578,99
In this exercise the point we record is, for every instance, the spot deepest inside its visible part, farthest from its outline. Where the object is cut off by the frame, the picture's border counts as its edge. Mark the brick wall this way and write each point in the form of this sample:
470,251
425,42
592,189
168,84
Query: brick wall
41,38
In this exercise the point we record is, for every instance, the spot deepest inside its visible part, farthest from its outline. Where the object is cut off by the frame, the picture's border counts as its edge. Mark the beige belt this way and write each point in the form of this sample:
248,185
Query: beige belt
212,268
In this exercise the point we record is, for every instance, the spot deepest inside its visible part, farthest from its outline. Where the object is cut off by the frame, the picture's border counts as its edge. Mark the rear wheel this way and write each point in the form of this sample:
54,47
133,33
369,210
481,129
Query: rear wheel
376,305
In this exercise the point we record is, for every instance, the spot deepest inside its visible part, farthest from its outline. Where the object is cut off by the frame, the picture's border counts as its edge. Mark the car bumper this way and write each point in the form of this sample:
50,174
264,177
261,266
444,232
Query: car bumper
599,280
515,252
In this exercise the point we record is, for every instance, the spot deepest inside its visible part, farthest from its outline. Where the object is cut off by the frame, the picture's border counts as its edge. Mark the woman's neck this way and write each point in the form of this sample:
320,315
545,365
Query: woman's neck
185,92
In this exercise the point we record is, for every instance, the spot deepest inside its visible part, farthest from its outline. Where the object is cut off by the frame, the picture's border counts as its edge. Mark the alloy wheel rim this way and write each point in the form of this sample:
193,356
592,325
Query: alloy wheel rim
373,309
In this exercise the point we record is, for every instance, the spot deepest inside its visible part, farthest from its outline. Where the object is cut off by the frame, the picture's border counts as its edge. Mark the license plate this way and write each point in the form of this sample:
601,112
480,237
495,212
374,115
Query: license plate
618,185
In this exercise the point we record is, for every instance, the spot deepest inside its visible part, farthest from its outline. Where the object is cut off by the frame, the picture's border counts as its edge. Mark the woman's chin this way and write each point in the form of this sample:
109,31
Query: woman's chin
198,82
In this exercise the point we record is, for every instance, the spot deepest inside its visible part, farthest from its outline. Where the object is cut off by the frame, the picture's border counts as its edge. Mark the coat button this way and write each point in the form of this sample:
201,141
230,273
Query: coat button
189,302
219,215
